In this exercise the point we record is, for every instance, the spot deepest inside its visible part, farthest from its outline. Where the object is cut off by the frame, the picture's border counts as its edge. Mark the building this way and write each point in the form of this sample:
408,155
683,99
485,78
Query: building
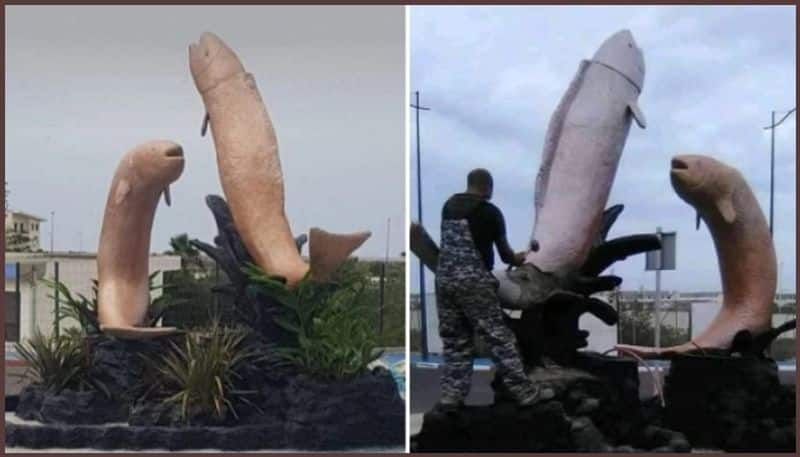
22,232
29,301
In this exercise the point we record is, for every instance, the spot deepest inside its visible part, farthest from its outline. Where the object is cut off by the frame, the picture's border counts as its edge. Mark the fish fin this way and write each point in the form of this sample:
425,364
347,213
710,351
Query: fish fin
610,216
327,251
123,189
638,116
649,352
299,241
726,209
204,128
167,196
697,221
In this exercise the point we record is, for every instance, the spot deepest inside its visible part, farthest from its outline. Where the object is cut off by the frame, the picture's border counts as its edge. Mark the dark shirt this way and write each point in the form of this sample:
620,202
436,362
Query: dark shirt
486,223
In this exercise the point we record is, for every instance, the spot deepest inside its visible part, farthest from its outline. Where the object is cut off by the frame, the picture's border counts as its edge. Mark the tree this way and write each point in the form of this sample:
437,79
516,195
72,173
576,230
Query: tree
191,258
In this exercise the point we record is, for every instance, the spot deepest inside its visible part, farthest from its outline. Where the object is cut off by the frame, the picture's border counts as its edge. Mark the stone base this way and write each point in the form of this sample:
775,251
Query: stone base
730,403
136,438
590,412
545,428
302,414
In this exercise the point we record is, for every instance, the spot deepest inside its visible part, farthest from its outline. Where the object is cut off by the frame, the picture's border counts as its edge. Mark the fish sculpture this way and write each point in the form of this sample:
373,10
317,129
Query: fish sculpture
744,247
250,168
582,148
123,294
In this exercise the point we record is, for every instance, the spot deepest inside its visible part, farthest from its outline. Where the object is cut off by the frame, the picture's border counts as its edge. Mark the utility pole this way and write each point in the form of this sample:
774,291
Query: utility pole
771,127
657,300
52,229
423,318
383,277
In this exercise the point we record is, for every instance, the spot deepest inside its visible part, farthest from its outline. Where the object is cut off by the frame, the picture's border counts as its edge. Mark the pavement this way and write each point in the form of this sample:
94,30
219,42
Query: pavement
12,418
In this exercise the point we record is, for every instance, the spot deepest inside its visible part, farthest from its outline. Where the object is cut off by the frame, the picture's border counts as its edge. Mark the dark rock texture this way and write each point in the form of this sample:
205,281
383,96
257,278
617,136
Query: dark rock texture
135,438
69,406
730,403
365,411
594,411
301,413
120,364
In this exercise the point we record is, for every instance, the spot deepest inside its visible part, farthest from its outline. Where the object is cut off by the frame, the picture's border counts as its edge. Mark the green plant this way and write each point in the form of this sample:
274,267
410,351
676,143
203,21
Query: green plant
84,310
334,336
200,375
58,362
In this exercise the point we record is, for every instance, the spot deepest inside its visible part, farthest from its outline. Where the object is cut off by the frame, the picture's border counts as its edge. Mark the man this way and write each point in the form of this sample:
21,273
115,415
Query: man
466,293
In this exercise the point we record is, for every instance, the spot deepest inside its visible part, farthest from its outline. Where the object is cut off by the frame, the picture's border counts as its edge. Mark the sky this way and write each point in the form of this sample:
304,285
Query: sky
86,84
492,77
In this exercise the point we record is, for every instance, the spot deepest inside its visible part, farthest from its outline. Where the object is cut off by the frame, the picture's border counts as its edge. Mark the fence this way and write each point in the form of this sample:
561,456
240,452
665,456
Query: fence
195,302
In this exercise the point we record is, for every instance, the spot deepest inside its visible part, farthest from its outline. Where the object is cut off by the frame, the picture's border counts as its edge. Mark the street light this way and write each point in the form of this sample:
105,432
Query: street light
772,163
423,318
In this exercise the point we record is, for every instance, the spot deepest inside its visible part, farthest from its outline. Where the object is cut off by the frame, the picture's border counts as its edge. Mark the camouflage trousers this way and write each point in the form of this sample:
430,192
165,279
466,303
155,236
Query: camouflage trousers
467,303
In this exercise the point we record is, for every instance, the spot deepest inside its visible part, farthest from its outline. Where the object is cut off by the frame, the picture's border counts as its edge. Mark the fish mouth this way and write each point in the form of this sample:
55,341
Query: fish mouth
683,175
174,152
679,164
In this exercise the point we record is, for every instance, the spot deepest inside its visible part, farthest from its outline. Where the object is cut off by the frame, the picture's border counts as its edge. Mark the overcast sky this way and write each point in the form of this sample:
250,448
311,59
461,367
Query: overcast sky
492,77
86,84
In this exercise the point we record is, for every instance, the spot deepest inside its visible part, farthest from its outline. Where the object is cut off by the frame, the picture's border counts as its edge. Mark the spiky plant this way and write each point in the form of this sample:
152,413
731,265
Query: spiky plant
200,375
57,362
334,337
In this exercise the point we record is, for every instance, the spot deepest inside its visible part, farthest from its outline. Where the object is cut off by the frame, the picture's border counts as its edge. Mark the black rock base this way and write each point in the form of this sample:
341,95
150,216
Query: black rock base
730,403
503,427
301,413
592,411
269,436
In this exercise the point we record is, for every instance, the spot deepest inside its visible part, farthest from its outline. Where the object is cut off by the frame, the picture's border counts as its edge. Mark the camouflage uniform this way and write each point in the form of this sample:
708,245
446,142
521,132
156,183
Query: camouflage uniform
466,298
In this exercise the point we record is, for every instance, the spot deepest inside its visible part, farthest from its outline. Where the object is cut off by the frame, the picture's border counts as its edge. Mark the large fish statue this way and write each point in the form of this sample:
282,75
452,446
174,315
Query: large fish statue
744,248
123,294
250,168
582,148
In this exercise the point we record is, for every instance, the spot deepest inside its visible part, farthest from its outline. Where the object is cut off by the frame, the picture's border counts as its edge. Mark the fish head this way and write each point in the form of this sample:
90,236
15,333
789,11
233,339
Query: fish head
158,164
621,53
212,61
706,184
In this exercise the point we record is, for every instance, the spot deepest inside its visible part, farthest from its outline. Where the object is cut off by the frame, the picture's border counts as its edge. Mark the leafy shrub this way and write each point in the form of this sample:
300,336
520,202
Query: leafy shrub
200,375
334,336
58,362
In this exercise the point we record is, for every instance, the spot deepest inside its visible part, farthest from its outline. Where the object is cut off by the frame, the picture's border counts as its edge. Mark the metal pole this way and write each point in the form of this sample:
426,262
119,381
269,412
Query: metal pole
771,172
380,309
52,229
56,323
423,317
19,303
657,298
772,127
383,276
